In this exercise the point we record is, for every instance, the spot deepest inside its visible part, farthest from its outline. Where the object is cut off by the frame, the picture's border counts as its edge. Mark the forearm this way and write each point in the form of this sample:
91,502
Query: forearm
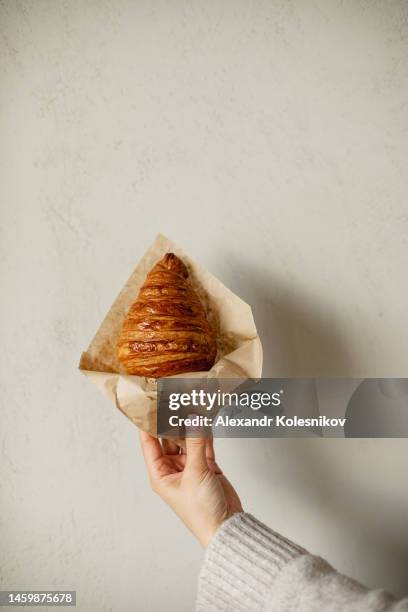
249,567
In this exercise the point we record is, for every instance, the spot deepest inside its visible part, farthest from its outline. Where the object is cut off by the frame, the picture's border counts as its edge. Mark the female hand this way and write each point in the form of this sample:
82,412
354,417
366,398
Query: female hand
191,484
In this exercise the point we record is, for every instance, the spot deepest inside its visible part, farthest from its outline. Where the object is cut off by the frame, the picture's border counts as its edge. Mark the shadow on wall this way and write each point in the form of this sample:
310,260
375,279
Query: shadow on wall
301,339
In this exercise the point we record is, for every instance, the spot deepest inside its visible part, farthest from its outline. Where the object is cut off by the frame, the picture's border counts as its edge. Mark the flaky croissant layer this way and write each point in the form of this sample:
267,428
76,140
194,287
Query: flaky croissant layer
166,330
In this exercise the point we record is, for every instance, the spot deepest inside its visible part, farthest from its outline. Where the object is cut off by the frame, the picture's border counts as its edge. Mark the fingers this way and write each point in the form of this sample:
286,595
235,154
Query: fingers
170,447
151,450
214,467
196,454
200,454
182,445
210,454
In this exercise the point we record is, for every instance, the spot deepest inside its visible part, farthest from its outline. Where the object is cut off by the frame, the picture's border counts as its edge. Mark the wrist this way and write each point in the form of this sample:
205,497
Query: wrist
211,529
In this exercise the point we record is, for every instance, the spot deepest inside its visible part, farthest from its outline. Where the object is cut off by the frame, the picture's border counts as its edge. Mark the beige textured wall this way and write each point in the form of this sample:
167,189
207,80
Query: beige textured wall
270,140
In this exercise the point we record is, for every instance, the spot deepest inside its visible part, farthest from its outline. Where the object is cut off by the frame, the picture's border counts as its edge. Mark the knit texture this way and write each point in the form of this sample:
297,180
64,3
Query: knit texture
241,564
248,567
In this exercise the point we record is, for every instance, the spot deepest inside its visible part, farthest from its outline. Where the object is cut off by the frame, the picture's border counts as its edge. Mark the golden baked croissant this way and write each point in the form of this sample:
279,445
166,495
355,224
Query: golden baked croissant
166,330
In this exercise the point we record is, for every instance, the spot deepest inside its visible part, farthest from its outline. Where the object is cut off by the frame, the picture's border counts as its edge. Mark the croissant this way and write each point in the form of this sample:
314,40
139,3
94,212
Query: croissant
166,330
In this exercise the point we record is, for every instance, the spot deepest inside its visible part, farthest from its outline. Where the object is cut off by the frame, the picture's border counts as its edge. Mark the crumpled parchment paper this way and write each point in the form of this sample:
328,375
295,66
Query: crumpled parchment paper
239,347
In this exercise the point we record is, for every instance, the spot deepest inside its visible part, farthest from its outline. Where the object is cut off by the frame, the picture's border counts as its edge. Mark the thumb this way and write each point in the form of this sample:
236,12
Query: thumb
196,450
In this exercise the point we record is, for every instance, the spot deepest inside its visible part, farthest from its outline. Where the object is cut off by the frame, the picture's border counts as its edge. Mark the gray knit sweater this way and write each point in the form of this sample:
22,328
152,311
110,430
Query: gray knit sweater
249,567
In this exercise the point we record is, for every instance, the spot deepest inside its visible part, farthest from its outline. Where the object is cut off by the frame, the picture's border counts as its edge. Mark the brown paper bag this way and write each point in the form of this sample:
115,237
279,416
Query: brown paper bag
239,347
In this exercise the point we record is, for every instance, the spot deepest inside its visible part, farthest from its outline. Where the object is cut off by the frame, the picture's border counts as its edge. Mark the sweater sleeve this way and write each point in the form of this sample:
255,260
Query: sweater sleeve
248,567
